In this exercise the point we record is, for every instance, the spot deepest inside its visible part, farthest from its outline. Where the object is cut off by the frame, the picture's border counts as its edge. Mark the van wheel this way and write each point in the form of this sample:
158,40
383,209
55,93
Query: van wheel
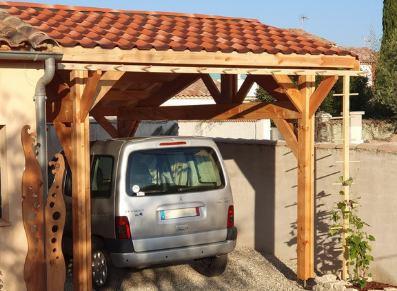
105,276
212,266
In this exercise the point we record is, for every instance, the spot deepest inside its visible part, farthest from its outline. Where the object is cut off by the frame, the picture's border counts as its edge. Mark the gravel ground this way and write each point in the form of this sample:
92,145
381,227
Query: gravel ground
247,270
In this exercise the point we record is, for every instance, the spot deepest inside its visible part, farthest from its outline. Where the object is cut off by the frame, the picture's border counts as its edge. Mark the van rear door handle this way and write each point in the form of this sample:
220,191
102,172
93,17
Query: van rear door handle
182,227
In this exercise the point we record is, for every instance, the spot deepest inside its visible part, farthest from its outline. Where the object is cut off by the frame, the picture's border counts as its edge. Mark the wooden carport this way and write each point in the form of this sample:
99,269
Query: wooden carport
139,60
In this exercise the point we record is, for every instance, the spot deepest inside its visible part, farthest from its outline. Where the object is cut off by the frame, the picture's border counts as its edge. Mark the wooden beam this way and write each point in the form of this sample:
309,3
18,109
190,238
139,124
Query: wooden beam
81,199
64,134
107,81
305,200
89,92
228,89
290,90
203,59
57,89
244,90
321,92
270,85
106,125
212,88
169,90
288,133
251,110
127,128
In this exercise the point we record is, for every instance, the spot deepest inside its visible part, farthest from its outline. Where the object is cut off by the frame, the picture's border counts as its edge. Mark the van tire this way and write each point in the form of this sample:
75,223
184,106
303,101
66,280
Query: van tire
105,276
211,266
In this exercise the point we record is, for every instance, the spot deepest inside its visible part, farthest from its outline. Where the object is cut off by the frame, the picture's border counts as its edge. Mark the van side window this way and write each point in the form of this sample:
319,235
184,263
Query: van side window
101,176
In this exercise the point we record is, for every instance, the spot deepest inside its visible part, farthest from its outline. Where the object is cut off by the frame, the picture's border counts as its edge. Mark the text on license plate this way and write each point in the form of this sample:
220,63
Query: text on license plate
178,213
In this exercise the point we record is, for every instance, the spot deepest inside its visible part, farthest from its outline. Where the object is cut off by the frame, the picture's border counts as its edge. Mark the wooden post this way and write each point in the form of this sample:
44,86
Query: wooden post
81,188
305,222
346,169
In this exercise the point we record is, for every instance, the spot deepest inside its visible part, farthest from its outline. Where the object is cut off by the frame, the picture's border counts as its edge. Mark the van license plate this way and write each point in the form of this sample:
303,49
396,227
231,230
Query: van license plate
179,213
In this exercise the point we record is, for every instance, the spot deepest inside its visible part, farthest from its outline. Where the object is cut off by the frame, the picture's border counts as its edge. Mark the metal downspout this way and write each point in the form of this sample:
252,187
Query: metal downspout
41,129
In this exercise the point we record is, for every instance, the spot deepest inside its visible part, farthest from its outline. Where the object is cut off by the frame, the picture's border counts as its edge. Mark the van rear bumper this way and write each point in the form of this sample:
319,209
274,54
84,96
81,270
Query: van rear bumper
171,255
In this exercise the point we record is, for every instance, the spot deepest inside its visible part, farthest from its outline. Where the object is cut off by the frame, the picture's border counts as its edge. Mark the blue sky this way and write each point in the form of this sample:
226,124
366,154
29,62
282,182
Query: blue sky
346,22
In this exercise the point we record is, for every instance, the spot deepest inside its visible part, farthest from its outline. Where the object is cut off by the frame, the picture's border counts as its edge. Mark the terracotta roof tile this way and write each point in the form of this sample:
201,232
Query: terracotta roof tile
108,28
196,90
16,33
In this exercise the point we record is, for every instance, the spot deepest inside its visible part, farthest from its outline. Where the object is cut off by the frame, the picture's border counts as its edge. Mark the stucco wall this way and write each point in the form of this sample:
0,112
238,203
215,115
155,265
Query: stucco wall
264,183
17,109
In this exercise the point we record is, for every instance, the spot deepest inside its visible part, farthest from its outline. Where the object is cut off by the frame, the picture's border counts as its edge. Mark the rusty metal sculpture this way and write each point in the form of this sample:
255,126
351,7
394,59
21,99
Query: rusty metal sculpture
37,266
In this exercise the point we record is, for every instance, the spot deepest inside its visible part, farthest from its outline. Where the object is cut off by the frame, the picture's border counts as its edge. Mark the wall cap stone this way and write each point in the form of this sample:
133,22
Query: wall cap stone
387,147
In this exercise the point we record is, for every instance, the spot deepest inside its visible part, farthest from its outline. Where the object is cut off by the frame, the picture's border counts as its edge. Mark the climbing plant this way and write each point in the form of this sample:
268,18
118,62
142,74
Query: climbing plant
357,239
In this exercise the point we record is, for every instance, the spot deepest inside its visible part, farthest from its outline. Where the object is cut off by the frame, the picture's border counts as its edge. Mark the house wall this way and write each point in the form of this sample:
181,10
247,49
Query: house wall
264,183
17,109
249,129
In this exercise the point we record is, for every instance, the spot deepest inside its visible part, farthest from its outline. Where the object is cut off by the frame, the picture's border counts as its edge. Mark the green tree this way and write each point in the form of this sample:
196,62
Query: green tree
386,69
333,105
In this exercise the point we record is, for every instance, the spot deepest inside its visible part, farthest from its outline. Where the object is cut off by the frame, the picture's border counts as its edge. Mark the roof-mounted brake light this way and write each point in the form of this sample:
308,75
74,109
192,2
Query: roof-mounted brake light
172,143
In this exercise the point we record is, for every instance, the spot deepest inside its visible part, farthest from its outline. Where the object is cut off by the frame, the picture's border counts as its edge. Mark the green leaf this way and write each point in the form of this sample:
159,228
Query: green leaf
371,238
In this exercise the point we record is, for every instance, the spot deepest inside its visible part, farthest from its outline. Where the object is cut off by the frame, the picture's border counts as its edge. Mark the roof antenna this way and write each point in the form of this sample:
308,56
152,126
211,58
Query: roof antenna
303,17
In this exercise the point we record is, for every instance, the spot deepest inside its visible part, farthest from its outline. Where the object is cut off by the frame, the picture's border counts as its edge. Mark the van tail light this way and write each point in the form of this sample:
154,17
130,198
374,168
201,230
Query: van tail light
230,216
122,227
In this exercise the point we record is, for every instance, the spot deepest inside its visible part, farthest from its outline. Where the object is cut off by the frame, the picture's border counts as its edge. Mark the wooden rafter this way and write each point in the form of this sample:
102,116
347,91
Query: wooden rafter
244,89
321,92
290,90
169,90
251,110
106,125
64,134
212,88
269,84
107,81
127,128
89,92
288,133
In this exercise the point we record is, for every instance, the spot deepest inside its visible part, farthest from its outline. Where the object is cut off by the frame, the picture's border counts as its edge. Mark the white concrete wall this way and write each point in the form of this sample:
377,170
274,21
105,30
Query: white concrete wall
264,184
17,109
252,129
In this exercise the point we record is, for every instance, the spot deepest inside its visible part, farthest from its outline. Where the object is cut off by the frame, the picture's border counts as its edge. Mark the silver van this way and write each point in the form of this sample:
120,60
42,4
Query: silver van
156,200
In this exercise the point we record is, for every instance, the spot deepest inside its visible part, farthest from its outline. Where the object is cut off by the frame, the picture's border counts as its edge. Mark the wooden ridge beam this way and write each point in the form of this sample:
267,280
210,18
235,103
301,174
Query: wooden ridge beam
202,59
252,110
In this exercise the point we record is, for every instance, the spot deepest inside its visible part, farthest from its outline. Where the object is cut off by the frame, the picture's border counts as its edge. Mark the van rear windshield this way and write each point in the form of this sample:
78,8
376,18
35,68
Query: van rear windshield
173,171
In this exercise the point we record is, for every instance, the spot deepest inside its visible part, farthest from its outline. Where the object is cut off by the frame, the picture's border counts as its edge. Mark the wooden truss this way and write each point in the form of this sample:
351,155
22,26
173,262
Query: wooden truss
132,93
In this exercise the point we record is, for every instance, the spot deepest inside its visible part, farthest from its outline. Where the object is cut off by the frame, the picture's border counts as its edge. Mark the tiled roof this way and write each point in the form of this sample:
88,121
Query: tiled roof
311,36
108,28
14,33
365,54
196,90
